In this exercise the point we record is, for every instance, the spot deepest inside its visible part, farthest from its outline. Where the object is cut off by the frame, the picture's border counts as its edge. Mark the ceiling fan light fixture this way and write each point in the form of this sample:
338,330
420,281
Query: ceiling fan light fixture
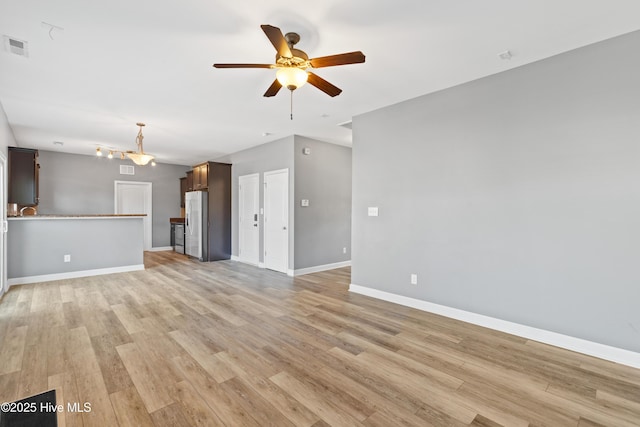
291,77
292,64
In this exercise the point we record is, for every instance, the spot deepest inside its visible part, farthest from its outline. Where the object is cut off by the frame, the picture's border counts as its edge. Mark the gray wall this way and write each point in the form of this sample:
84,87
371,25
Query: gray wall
323,228
263,158
6,139
78,184
37,246
515,196
320,231
6,134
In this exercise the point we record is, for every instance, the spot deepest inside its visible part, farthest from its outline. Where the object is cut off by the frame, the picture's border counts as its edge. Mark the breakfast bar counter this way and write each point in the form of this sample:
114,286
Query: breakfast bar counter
53,247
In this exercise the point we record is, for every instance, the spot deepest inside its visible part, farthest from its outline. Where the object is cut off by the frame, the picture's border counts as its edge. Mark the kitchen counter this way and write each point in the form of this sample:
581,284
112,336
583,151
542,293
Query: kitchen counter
41,248
176,220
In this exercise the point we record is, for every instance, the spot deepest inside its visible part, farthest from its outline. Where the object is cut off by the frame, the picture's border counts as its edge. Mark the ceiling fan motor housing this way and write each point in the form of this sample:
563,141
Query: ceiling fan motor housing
298,57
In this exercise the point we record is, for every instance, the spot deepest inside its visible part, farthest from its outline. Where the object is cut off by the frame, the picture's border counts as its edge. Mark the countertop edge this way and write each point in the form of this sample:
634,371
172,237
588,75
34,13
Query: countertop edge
98,216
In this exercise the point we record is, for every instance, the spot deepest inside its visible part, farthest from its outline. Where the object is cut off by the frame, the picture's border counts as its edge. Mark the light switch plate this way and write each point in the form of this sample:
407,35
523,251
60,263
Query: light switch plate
373,211
304,202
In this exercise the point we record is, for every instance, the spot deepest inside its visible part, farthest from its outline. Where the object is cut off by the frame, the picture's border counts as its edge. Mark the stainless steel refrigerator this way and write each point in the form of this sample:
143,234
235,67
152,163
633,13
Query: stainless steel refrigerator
196,224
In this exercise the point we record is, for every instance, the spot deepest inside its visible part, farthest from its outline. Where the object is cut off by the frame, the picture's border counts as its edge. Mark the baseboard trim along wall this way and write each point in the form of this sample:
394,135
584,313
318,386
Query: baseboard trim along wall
602,351
318,268
73,274
161,249
236,258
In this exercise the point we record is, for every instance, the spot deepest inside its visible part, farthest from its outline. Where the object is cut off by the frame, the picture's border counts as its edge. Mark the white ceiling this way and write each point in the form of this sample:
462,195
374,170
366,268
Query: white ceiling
114,63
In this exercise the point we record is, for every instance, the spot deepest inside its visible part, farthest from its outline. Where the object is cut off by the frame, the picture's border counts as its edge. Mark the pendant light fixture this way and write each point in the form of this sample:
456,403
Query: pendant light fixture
138,157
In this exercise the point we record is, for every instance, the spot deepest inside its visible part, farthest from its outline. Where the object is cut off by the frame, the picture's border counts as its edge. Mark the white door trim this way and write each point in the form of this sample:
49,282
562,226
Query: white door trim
148,220
4,224
242,251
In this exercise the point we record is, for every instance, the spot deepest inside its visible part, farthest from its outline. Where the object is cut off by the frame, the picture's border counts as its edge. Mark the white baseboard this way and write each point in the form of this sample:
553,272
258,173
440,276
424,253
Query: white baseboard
73,274
290,273
237,259
318,268
602,351
161,249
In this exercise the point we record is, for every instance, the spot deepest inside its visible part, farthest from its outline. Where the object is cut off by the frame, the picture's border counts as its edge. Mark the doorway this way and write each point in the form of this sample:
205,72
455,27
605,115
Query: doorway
276,220
135,198
248,221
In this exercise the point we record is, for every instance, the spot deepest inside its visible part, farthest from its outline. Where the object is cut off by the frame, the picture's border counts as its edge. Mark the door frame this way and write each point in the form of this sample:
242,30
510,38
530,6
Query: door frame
245,178
148,200
287,270
4,223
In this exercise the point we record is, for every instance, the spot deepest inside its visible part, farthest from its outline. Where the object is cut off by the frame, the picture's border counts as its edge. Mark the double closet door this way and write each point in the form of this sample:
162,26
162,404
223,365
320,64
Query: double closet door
274,224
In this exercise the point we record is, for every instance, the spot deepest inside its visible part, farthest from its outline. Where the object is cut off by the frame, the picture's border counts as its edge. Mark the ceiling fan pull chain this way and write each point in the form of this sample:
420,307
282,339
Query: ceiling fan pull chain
291,104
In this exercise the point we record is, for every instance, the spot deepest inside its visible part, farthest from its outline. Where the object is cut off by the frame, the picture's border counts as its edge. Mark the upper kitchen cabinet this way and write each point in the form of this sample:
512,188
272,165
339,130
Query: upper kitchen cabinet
23,176
183,189
190,181
201,177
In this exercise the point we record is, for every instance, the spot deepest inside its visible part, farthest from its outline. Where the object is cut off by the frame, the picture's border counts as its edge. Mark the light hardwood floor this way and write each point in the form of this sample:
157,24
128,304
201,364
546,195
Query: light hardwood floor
204,344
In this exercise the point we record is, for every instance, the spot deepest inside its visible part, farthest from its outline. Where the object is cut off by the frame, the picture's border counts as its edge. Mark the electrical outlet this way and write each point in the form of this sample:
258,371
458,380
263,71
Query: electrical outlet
414,279
67,258
344,250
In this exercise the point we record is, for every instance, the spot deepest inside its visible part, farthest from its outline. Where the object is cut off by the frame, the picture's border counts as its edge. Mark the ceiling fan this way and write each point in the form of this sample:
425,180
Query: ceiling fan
292,64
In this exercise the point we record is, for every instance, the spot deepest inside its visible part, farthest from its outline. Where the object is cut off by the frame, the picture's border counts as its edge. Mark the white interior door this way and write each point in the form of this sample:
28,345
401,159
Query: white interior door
249,225
276,220
135,198
4,224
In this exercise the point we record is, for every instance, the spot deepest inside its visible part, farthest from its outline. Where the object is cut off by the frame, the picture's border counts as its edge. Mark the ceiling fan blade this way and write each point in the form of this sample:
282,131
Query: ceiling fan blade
277,40
323,85
243,65
341,59
273,89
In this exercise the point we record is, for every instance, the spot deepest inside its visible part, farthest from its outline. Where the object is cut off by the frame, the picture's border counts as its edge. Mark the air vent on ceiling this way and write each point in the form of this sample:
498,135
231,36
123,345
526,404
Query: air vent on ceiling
127,170
18,47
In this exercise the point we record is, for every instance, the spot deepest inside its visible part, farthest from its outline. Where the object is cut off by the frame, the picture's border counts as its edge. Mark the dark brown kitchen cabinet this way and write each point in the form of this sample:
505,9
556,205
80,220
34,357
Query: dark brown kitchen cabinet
201,177
23,176
215,180
183,189
190,181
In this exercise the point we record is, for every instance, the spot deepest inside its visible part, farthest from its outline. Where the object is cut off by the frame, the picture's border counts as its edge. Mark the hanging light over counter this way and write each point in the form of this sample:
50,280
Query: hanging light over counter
139,157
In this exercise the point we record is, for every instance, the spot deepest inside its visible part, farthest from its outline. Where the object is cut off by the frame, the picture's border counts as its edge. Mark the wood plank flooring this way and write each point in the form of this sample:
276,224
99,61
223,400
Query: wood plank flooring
185,343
